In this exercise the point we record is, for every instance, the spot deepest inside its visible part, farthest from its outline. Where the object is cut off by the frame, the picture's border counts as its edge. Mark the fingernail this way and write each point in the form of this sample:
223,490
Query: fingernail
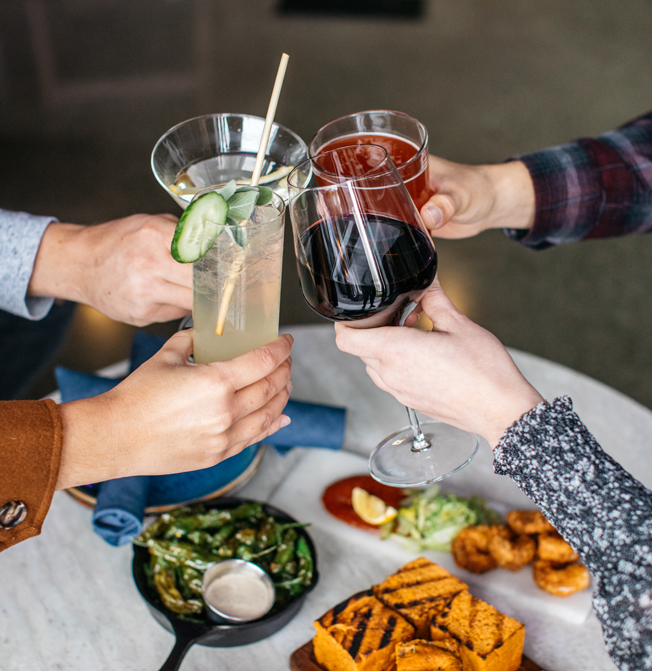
285,421
290,360
433,215
289,386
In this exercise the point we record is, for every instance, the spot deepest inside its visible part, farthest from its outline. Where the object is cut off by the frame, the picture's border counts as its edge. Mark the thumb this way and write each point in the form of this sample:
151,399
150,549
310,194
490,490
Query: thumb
438,306
438,211
178,348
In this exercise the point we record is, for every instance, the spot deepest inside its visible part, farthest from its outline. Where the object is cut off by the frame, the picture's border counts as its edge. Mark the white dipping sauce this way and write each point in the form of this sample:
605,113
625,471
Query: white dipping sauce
239,595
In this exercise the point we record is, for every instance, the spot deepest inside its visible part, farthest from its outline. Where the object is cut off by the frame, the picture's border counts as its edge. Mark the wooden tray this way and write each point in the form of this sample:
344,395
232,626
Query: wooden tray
303,659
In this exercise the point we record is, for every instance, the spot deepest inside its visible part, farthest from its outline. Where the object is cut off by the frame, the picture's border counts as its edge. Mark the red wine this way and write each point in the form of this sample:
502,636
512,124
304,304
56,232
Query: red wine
337,278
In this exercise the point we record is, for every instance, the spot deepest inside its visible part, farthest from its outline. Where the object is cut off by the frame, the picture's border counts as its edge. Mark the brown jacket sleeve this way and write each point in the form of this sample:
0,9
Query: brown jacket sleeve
31,437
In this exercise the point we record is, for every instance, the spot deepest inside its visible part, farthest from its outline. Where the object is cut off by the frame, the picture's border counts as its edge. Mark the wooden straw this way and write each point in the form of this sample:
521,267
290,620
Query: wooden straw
258,167
269,119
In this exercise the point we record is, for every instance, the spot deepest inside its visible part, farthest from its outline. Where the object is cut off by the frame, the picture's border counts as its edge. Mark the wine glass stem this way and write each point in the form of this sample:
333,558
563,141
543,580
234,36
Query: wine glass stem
420,442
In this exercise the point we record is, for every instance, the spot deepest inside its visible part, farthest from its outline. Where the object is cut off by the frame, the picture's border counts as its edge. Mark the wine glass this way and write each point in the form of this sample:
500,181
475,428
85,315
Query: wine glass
365,257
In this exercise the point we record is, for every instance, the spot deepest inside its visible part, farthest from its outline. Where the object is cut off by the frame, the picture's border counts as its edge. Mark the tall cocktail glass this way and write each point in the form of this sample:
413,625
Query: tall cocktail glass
237,284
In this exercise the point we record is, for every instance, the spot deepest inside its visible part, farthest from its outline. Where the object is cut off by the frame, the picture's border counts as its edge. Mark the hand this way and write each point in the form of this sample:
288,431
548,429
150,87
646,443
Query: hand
171,416
470,199
458,373
122,268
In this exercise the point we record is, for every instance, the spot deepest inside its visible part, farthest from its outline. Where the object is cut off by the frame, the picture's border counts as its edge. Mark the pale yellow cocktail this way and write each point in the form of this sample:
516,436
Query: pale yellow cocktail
241,283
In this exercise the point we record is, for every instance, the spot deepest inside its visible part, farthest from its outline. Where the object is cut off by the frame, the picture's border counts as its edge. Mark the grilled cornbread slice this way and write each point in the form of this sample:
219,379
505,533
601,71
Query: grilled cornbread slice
360,634
488,640
448,643
425,656
418,591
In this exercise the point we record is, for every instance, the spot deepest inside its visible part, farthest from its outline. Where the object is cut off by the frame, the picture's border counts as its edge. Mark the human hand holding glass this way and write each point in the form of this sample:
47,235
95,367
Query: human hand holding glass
469,199
364,257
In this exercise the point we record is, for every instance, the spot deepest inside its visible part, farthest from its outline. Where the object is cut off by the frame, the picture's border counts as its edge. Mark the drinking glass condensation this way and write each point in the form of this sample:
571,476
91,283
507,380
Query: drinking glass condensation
244,283
404,138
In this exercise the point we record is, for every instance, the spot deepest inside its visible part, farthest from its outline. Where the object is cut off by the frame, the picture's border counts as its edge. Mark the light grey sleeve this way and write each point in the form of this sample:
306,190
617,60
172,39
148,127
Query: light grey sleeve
20,237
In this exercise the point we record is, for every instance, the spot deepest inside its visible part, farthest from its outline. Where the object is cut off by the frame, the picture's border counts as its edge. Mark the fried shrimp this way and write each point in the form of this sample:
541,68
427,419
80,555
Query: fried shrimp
560,580
470,549
528,522
511,552
552,547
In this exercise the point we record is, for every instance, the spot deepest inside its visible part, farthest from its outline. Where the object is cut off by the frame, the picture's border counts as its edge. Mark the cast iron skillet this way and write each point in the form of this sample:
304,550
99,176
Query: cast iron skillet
217,635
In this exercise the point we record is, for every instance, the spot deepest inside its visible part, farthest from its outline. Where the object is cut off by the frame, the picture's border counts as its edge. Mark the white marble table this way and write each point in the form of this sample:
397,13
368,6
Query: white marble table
67,600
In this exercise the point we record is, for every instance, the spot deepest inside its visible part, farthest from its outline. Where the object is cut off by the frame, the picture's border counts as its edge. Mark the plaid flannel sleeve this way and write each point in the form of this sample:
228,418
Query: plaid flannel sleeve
592,188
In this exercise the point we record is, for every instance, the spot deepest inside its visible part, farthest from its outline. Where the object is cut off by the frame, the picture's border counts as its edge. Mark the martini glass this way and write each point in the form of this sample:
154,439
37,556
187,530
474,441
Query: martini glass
365,257
214,149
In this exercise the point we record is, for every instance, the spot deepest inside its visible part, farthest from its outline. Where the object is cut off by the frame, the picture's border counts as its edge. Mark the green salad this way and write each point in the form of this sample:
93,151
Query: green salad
428,520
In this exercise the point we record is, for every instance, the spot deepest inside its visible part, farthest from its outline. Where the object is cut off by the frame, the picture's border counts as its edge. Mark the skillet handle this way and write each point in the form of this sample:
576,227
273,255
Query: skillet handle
185,637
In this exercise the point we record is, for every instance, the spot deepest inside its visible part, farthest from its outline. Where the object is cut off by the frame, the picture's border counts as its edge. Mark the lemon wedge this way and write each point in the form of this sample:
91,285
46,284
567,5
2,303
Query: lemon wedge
370,508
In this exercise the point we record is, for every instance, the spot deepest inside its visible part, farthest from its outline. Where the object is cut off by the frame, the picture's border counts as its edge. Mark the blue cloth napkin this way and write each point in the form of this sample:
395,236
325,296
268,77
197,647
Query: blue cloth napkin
121,503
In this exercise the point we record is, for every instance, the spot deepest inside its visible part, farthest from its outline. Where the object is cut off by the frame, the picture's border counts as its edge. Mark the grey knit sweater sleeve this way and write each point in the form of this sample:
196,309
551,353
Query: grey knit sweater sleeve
600,509
20,237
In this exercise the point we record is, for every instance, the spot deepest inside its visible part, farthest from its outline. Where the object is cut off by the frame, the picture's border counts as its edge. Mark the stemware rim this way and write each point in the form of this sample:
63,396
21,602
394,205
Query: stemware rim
215,115
410,161
391,170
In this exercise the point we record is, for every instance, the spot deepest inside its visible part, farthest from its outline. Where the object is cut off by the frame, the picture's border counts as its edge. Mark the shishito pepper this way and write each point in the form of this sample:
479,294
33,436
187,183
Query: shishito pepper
169,593
285,552
192,578
178,553
306,562
266,536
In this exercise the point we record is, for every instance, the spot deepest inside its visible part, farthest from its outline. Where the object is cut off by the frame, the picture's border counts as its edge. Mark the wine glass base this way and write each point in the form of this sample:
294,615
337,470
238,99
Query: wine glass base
396,464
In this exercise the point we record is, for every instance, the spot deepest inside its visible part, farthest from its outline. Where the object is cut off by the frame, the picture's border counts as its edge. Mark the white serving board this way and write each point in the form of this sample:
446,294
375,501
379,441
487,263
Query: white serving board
300,495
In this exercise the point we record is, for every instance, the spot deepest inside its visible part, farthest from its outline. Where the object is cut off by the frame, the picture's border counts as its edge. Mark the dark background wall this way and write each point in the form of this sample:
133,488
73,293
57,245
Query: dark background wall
87,87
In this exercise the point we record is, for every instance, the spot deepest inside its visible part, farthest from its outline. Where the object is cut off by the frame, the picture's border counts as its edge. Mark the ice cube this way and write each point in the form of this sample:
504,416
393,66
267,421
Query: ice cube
264,214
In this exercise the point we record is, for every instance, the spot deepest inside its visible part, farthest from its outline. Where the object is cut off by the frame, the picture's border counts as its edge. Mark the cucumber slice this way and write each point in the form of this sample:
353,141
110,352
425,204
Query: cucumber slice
199,227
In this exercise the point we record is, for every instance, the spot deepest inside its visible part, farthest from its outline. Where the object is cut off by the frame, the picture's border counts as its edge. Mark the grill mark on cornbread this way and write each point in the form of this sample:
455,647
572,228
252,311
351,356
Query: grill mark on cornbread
356,642
424,601
338,610
416,579
330,618
387,634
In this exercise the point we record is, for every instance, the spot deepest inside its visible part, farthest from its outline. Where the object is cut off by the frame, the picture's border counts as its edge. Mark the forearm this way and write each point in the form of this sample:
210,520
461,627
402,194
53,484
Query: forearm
599,508
513,195
91,450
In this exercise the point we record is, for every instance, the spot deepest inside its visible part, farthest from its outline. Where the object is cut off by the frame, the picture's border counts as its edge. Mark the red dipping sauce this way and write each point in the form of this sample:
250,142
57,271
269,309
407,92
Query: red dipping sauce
337,499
